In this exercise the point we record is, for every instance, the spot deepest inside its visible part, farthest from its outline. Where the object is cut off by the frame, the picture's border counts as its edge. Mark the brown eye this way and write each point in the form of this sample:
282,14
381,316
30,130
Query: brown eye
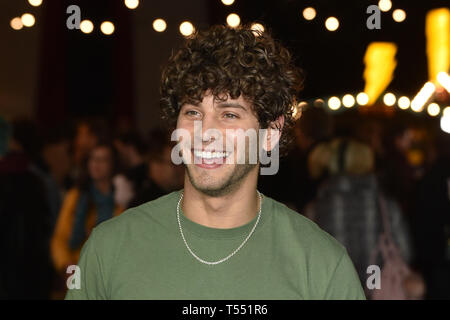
231,116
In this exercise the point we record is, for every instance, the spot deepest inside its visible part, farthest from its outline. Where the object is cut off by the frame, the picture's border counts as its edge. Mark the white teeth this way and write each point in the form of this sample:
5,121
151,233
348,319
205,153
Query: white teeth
210,155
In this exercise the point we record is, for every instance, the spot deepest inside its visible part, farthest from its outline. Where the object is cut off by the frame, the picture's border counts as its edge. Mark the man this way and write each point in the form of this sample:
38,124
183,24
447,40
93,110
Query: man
219,238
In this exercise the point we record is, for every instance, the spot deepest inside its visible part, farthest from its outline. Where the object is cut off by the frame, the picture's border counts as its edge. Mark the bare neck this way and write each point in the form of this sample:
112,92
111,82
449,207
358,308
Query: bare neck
232,210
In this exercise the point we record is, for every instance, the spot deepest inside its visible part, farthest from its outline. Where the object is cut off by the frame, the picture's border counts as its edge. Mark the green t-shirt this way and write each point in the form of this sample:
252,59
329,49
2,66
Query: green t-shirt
141,255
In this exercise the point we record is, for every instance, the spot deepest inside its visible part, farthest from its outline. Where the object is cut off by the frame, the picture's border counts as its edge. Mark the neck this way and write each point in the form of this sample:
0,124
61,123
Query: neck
103,185
238,207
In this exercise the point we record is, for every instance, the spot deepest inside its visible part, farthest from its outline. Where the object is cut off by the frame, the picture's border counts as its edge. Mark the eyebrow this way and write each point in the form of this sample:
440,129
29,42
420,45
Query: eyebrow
231,105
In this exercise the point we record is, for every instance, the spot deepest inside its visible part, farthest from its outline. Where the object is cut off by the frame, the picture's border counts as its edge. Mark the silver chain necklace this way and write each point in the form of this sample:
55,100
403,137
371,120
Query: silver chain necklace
231,254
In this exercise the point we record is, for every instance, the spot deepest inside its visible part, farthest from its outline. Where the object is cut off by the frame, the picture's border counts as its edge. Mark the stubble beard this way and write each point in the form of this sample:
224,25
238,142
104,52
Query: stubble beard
227,184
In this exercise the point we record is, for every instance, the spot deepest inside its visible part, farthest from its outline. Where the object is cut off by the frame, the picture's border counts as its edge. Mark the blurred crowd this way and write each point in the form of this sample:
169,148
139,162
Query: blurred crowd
357,176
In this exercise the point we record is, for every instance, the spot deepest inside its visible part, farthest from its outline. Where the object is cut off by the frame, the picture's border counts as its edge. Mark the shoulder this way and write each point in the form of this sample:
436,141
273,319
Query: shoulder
304,231
143,217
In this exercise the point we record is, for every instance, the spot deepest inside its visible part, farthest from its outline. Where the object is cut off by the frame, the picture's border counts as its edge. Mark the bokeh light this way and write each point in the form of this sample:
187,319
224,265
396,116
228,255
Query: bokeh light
228,2
389,99
385,5
86,26
403,103
362,98
107,27
16,23
332,24
348,101
399,15
186,28
233,20
334,103
433,109
159,25
28,19
309,13
35,3
132,4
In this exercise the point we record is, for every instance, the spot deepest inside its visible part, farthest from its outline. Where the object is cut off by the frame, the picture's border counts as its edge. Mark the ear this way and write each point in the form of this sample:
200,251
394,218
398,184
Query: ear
273,133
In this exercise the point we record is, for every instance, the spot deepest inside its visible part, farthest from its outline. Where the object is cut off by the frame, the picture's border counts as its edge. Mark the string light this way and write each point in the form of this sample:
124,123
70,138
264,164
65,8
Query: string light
159,25
28,19
35,3
86,26
132,4
348,101
389,99
332,24
399,15
433,109
107,28
444,80
334,103
16,23
422,97
445,123
233,20
446,112
257,28
186,28
385,5
362,98
403,103
309,13
228,2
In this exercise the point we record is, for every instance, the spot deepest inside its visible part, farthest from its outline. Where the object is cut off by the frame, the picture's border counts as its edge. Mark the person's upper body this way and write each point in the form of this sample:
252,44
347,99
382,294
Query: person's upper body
347,204
220,238
26,224
84,207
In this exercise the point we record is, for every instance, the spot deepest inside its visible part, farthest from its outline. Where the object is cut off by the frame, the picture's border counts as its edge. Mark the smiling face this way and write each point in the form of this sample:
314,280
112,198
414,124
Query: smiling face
216,166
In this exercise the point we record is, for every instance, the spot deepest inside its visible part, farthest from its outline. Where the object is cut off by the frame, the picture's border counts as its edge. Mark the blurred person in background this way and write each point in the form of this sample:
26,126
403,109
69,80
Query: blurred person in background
131,150
162,176
25,217
395,171
431,223
85,206
292,185
88,133
347,203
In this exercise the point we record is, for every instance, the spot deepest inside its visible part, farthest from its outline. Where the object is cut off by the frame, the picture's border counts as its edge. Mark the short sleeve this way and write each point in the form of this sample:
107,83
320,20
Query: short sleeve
344,283
92,285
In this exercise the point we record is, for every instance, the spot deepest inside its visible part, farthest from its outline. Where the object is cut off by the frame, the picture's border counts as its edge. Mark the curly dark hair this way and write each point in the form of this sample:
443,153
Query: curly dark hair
234,61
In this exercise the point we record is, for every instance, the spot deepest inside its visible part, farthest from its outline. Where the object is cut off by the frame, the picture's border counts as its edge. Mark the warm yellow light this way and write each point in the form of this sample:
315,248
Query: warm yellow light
446,112
132,4
309,13
399,15
362,98
28,20
437,26
433,109
159,25
186,28
107,27
319,102
257,28
35,3
403,103
389,99
228,2
379,71
16,23
445,124
86,26
332,24
334,103
233,20
385,5
422,97
444,80
348,101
